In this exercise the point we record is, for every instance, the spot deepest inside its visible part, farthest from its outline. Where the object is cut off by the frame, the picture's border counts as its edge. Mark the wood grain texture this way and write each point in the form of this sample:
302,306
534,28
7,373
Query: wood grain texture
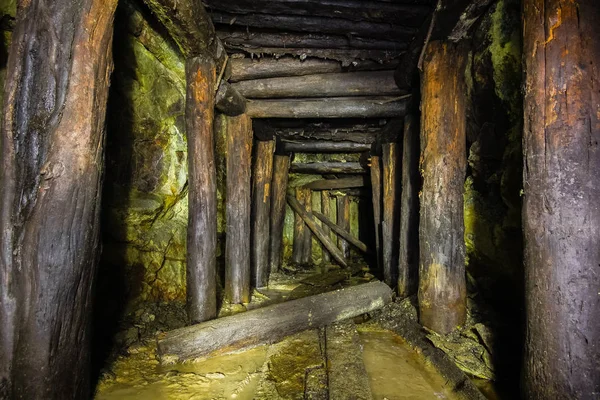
52,155
442,285
561,217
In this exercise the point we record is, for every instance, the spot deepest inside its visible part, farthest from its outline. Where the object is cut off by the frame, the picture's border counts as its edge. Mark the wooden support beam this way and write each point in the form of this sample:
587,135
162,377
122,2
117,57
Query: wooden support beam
354,10
331,107
343,183
344,233
391,214
326,210
408,263
281,166
243,69
242,37
376,197
561,217
307,254
261,211
202,197
238,206
270,324
343,221
316,229
229,100
328,130
330,167
321,146
347,84
51,163
442,285
312,24
300,230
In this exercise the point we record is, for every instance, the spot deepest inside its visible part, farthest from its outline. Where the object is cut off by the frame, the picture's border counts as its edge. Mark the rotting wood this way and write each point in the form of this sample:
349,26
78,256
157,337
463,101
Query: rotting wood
561,217
238,207
343,183
391,214
442,285
408,260
317,25
300,230
330,167
343,221
376,198
51,157
244,38
202,196
310,221
261,211
321,146
326,210
281,166
229,101
270,324
373,11
344,233
330,107
347,84
243,69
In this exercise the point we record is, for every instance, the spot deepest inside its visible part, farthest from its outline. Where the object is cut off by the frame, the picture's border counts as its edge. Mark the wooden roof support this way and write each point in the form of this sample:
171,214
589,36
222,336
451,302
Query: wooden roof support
322,146
343,183
330,167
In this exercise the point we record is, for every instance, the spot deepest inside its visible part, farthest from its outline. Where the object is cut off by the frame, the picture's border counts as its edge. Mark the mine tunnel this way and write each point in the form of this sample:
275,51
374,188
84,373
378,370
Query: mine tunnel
300,199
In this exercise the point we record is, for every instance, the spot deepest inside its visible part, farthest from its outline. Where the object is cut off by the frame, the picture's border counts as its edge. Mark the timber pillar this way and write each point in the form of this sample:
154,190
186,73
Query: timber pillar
561,209
442,283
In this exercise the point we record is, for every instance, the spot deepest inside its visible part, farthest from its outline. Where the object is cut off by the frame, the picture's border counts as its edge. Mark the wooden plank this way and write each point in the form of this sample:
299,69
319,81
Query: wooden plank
442,285
202,195
391,214
330,107
316,229
408,263
344,233
347,84
261,211
343,183
281,165
330,167
270,324
561,218
238,206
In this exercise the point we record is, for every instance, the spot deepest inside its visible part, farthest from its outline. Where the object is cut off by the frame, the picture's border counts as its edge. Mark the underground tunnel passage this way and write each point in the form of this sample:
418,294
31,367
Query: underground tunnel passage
299,199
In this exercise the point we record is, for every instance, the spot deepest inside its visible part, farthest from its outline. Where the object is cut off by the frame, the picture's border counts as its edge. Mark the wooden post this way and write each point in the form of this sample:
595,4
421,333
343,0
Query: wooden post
307,255
202,220
376,192
442,285
51,158
341,231
237,248
326,210
261,211
343,221
281,166
561,217
299,231
408,263
390,221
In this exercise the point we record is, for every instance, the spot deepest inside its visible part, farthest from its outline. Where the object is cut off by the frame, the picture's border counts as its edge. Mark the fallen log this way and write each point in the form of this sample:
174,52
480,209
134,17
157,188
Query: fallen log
243,69
229,101
316,25
261,211
316,229
321,146
345,234
346,84
281,165
330,107
330,167
238,206
270,324
344,183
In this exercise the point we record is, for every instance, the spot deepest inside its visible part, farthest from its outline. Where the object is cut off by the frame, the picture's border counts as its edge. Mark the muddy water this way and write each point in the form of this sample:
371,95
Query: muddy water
397,372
